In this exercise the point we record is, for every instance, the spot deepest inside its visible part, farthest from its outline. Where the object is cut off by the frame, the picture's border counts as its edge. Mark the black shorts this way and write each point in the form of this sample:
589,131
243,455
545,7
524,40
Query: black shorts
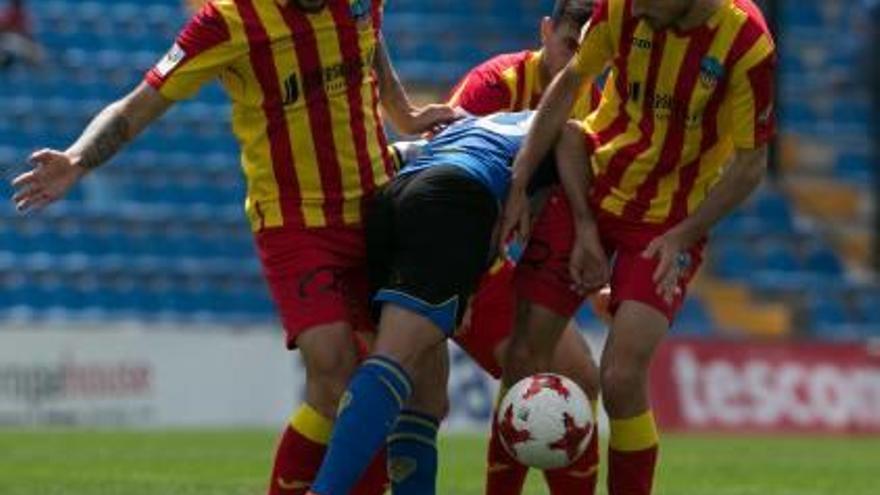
429,238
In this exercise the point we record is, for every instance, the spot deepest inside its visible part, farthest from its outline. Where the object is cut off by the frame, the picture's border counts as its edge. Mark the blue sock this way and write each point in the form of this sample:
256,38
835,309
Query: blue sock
367,413
412,454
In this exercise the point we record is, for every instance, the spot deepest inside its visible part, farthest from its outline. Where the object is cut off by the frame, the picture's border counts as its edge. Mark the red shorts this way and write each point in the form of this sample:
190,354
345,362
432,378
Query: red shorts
316,277
540,277
632,275
490,318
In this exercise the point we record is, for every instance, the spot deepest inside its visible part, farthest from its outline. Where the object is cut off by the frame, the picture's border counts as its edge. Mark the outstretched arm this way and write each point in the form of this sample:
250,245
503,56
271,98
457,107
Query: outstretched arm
55,172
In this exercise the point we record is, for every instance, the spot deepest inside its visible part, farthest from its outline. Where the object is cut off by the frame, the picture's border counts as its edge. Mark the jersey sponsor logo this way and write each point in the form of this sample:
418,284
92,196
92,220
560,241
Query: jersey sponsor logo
291,90
711,72
329,80
171,60
642,43
666,107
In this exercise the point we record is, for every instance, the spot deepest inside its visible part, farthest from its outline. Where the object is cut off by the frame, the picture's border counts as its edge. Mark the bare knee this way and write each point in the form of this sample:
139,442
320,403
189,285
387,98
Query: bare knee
635,334
330,358
619,379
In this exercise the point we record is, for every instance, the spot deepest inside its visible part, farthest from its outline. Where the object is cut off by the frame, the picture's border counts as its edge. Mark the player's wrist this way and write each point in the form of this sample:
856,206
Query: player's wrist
77,163
687,233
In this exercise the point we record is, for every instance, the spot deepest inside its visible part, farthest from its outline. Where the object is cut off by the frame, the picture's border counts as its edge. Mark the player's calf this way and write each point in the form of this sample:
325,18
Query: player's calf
412,444
632,452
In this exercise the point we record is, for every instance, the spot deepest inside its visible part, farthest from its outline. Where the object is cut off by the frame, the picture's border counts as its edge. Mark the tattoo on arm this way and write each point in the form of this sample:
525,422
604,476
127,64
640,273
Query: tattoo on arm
102,139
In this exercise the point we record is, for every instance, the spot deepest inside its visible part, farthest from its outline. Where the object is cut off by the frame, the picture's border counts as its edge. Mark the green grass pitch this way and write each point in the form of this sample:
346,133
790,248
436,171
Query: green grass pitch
56,462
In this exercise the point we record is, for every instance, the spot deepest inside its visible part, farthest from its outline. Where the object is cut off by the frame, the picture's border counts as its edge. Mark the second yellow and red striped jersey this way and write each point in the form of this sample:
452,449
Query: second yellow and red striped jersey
304,102
510,83
675,106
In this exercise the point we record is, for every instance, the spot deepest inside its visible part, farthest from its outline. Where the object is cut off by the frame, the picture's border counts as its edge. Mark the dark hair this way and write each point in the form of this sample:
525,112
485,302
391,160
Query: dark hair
574,12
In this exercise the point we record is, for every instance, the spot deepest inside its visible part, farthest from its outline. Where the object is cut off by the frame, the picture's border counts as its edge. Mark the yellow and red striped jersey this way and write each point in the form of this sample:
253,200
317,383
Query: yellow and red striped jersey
675,106
304,102
510,83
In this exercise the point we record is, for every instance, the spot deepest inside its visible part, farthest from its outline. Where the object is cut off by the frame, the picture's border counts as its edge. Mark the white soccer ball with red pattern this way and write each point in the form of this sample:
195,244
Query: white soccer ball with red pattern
545,421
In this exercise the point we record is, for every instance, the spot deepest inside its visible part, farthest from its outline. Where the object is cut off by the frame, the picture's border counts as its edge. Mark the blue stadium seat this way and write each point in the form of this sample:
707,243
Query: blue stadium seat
868,305
801,14
822,259
857,167
732,260
693,319
828,310
774,210
780,258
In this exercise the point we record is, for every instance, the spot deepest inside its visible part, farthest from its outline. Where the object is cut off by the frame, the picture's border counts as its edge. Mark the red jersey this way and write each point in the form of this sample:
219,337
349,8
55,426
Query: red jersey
510,83
304,102
676,105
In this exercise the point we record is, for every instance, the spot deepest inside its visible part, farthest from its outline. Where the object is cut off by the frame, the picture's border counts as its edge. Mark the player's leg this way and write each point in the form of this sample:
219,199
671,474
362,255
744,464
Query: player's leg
377,393
641,319
573,359
484,336
308,282
440,236
543,288
412,444
636,331
330,359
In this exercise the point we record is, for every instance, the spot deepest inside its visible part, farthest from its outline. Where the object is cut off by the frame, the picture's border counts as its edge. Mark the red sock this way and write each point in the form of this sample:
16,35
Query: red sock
504,474
375,478
301,451
580,477
632,455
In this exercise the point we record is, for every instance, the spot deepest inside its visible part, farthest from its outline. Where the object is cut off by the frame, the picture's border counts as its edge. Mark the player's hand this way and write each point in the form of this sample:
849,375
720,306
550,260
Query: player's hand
588,264
670,249
432,119
516,217
53,174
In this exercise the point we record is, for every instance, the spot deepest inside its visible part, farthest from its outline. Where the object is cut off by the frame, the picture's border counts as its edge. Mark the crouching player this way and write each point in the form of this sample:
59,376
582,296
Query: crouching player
540,284
431,235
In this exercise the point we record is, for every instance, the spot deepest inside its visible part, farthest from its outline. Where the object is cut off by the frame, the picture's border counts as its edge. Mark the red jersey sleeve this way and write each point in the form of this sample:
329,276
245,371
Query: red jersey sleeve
202,50
753,114
481,92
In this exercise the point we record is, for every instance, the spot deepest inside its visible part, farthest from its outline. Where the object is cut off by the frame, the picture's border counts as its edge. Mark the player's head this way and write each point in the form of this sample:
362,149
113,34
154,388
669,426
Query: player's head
661,14
561,31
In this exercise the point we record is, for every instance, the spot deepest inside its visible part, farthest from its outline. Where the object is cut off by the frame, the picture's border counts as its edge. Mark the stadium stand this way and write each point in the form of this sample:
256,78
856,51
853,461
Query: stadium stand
160,233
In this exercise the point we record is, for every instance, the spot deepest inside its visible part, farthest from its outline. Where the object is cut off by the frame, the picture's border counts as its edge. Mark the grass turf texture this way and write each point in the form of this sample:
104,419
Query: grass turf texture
54,462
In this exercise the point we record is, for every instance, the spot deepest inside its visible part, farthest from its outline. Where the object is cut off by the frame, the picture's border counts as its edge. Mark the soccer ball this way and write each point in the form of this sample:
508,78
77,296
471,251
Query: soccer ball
545,421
